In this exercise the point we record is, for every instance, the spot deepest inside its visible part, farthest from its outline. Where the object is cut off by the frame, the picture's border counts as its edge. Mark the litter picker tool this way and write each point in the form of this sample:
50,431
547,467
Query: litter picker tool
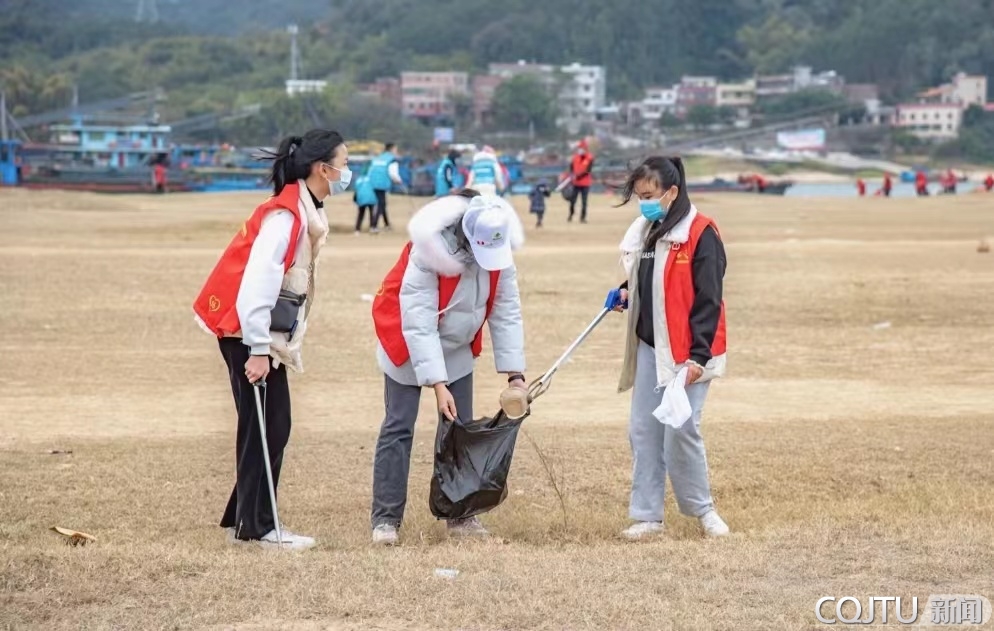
518,409
258,387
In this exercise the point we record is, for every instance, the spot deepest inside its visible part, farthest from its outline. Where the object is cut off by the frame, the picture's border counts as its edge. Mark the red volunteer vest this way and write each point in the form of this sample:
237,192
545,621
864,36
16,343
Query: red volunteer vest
580,165
678,277
387,316
216,303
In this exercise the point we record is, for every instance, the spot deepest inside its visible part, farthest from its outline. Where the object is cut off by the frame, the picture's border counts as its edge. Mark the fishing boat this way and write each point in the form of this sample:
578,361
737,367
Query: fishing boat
87,157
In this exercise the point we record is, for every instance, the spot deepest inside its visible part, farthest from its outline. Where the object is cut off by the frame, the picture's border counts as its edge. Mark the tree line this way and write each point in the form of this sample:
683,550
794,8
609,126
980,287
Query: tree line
221,55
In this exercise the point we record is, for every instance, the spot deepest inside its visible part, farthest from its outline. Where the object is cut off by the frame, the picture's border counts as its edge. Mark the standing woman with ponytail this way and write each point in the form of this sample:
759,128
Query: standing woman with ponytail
675,263
257,302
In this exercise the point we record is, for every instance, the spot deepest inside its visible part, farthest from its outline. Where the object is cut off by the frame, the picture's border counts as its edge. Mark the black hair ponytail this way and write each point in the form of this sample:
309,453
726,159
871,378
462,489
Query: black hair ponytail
295,155
666,173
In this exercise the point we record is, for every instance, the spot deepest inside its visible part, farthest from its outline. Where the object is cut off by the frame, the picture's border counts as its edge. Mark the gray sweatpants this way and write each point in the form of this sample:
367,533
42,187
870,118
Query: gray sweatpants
658,449
392,463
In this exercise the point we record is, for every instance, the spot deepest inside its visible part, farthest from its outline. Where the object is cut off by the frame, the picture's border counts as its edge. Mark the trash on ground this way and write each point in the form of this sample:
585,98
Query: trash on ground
73,537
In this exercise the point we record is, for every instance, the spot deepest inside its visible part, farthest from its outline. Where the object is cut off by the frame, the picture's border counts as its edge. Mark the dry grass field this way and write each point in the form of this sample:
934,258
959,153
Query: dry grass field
848,458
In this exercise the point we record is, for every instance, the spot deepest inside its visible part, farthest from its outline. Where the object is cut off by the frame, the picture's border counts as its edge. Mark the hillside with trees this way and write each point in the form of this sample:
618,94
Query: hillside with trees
210,55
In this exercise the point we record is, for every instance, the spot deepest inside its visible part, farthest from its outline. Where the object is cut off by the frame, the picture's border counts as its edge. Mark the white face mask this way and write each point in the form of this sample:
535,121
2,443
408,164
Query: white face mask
344,179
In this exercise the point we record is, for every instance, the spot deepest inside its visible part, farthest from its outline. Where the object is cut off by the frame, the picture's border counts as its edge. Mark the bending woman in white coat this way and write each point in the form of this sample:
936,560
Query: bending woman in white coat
675,263
456,274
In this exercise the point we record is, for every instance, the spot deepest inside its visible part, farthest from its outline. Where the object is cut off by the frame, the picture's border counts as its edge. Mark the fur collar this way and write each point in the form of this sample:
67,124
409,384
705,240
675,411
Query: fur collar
633,240
431,234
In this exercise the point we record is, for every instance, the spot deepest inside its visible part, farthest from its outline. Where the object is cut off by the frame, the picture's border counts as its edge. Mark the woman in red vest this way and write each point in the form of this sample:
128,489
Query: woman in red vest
675,263
580,173
456,273
257,302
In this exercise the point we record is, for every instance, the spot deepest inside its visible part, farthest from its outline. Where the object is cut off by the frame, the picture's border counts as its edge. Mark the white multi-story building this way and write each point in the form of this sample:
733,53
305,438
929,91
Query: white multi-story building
964,90
657,102
305,86
940,121
583,93
737,95
938,114
580,91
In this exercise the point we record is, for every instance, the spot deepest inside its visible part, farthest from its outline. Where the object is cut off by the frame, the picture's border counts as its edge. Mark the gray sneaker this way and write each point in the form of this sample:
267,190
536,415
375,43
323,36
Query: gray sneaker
385,535
466,528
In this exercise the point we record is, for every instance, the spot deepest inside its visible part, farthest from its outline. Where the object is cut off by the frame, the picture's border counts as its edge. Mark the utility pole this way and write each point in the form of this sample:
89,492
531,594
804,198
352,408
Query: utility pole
294,53
147,12
3,116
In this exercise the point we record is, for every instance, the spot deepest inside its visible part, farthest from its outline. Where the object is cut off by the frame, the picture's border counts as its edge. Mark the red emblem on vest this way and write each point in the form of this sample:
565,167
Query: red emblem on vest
215,305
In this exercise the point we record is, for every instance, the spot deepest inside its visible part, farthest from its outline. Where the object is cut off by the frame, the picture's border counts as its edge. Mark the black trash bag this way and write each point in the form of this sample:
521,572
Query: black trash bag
569,193
472,461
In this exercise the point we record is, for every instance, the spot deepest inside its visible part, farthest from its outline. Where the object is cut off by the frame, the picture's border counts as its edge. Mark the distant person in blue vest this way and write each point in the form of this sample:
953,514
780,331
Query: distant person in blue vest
384,172
445,176
365,200
485,175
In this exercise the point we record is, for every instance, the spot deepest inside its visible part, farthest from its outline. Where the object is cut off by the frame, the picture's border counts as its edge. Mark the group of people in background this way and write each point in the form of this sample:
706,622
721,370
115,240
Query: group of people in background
948,181
459,261
484,174
371,189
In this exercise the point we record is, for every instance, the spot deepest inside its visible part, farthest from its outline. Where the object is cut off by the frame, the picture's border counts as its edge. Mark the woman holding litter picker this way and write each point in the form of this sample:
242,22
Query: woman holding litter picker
675,263
257,302
456,273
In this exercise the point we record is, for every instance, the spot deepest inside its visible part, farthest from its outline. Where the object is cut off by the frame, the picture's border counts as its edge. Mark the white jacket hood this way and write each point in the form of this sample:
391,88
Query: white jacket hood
430,227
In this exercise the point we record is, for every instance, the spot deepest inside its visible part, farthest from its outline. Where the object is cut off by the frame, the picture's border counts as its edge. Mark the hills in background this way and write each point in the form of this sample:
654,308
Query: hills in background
213,55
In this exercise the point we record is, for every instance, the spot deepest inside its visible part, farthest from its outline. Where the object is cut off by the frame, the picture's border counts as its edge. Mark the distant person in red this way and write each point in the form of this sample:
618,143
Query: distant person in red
861,187
888,185
580,173
159,177
759,182
989,183
921,184
949,182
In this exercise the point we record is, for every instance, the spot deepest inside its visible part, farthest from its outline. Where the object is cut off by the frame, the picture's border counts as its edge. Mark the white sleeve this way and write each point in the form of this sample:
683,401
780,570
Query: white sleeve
507,332
499,172
262,280
419,323
394,171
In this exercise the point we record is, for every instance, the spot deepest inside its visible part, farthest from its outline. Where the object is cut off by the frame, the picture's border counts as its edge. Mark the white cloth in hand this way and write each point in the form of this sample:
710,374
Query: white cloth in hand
675,409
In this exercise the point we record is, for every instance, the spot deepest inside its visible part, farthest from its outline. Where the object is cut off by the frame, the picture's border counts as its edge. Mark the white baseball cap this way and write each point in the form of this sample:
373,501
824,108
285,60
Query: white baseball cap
487,224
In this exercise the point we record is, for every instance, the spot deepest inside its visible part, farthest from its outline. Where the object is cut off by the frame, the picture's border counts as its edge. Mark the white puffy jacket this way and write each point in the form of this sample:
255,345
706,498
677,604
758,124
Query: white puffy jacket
441,350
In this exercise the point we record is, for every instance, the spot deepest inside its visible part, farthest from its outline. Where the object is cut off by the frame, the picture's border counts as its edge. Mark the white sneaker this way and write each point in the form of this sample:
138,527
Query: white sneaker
466,528
642,529
291,541
385,535
714,526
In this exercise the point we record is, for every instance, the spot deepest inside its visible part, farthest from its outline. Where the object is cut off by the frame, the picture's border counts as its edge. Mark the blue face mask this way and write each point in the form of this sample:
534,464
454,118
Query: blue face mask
652,209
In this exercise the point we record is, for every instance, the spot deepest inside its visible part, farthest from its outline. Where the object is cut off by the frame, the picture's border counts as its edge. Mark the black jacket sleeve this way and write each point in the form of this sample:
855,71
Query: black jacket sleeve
449,172
709,273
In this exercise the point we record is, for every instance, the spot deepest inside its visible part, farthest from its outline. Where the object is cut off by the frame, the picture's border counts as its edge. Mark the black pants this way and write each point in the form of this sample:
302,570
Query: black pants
381,210
392,463
249,510
362,214
579,191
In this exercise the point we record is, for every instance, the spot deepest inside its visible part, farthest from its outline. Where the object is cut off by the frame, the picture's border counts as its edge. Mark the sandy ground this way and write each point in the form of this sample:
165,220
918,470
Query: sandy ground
851,445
